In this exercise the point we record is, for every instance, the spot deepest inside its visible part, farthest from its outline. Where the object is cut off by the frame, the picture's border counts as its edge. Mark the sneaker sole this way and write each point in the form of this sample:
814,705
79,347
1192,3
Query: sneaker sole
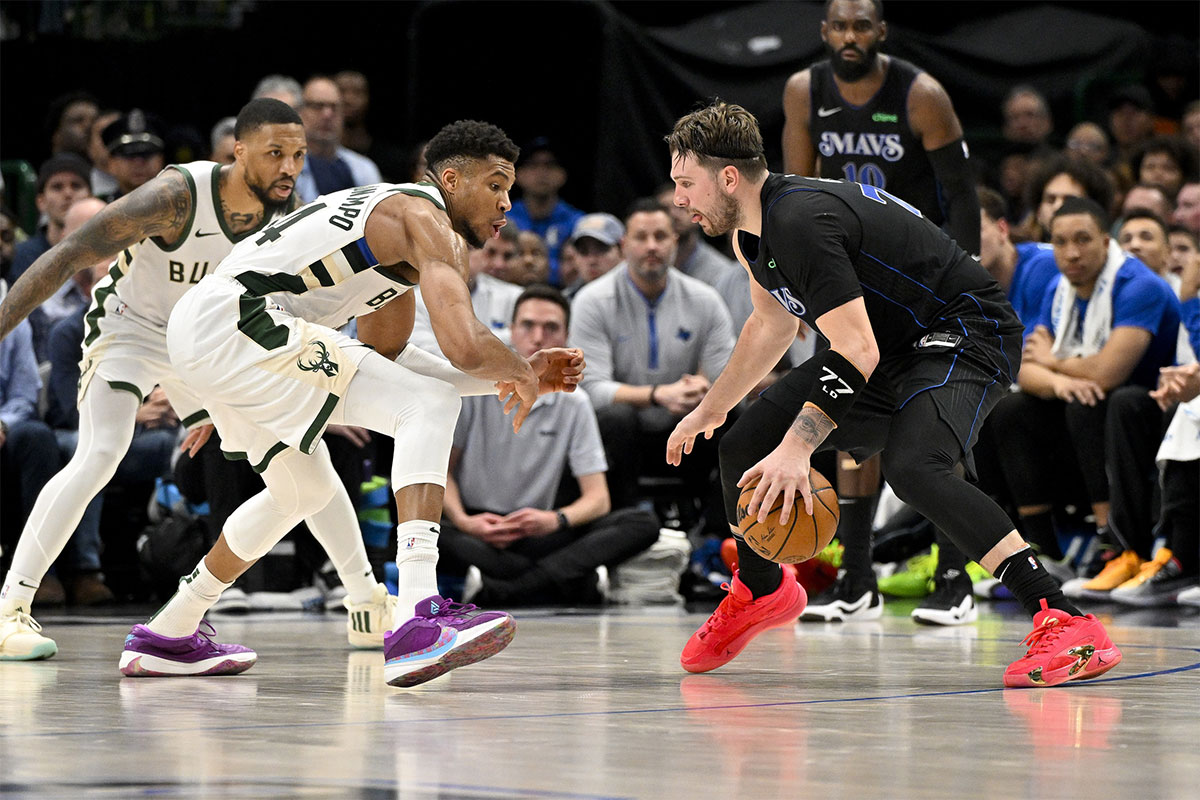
833,614
462,652
928,616
785,619
139,665
1100,663
41,651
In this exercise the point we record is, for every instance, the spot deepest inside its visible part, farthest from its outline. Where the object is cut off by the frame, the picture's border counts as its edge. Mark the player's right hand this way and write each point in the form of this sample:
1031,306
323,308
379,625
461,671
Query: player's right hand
699,421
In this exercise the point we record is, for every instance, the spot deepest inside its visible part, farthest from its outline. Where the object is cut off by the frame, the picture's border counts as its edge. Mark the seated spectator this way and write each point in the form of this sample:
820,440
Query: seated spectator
1054,182
595,249
1184,250
491,298
1130,120
1143,234
1187,207
654,340
11,235
135,151
75,296
1174,572
62,180
1164,161
499,254
221,141
103,184
501,514
283,88
1027,119
1023,270
540,177
533,260
329,167
695,257
1148,197
1107,322
356,101
29,457
1087,141
69,122
1191,125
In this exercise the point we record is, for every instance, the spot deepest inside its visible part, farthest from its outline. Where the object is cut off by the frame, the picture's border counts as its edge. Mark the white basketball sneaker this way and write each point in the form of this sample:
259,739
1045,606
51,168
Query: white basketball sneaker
366,622
21,639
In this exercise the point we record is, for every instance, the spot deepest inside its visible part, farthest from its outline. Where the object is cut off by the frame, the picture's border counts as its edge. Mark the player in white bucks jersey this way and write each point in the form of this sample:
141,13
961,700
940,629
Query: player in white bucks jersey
166,236
258,341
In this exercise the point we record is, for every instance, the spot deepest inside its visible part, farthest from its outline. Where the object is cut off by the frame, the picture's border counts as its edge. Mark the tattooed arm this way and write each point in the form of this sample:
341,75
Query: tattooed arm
158,208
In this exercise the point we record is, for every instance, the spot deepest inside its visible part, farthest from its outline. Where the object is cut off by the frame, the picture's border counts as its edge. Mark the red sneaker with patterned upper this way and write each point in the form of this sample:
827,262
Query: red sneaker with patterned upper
739,619
1062,648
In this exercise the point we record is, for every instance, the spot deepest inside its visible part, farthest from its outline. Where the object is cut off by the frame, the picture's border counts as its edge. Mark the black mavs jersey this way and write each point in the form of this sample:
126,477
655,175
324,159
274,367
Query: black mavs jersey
827,242
873,143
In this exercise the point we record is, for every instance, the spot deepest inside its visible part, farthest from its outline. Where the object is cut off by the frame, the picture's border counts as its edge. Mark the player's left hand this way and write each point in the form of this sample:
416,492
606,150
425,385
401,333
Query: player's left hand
195,439
784,471
683,438
558,369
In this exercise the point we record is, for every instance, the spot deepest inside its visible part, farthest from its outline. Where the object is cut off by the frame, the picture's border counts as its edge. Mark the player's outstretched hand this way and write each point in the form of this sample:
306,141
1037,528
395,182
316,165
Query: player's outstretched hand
196,439
699,421
519,394
558,369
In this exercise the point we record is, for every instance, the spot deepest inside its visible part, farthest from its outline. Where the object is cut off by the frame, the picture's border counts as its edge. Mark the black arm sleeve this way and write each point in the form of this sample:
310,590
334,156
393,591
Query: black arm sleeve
953,172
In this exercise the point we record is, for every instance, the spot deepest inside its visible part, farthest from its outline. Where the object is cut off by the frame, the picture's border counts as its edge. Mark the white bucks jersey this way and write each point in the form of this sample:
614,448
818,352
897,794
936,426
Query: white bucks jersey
146,280
315,263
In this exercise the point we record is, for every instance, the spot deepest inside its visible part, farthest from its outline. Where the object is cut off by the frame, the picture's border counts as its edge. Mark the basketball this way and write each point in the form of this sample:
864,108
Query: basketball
803,536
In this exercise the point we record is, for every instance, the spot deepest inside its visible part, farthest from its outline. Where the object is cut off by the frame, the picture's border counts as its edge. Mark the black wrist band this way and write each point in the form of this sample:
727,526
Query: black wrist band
653,389
563,523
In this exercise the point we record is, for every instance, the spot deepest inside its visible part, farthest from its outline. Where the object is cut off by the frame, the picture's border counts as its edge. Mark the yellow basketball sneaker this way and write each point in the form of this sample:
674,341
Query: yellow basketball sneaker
1115,572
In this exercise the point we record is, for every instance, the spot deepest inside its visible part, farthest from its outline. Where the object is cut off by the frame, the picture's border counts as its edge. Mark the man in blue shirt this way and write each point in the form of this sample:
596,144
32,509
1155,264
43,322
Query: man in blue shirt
1107,322
540,176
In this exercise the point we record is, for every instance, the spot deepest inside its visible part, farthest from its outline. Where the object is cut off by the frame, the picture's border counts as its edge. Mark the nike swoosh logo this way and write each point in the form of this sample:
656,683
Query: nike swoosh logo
828,112
26,585
215,233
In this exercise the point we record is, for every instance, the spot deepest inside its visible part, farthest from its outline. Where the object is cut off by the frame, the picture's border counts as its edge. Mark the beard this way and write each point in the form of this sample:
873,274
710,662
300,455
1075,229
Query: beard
725,217
270,204
851,71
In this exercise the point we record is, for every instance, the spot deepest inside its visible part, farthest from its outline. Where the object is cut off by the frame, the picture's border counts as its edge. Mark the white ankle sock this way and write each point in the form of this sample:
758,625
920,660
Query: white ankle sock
416,564
182,613
17,593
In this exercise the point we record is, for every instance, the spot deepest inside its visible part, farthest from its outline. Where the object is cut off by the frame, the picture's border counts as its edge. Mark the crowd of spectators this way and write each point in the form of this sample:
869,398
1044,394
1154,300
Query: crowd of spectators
1093,230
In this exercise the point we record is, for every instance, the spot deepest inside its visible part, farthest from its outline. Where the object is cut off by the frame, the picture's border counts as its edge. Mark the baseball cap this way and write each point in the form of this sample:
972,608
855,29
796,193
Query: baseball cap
604,228
64,162
135,133
1134,95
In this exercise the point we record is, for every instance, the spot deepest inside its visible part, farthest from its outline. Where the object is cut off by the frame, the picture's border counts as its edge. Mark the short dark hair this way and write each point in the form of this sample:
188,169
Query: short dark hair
1191,234
1083,205
60,104
877,3
1094,180
645,205
263,111
1175,149
544,291
720,134
468,139
992,203
1145,213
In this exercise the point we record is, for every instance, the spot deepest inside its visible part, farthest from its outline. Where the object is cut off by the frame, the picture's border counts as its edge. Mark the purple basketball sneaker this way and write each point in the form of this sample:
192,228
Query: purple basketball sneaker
148,655
442,636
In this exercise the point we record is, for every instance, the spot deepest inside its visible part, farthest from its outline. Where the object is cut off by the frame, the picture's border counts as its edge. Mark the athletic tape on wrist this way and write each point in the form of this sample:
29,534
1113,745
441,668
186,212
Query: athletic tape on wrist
837,386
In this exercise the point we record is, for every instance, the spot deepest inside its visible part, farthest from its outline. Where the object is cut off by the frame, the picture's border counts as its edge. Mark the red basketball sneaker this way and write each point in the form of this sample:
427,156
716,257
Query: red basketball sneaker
1062,648
739,619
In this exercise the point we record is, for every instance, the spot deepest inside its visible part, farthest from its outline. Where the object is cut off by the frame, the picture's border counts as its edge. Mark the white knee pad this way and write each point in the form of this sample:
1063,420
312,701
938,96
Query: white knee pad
298,486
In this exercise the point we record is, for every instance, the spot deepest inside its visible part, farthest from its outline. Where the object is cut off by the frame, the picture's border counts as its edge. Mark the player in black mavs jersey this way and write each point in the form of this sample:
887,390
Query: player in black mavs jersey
922,345
881,121
876,119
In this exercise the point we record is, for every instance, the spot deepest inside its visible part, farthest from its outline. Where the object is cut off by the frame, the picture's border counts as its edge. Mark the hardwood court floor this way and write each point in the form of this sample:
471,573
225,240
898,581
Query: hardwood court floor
585,706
